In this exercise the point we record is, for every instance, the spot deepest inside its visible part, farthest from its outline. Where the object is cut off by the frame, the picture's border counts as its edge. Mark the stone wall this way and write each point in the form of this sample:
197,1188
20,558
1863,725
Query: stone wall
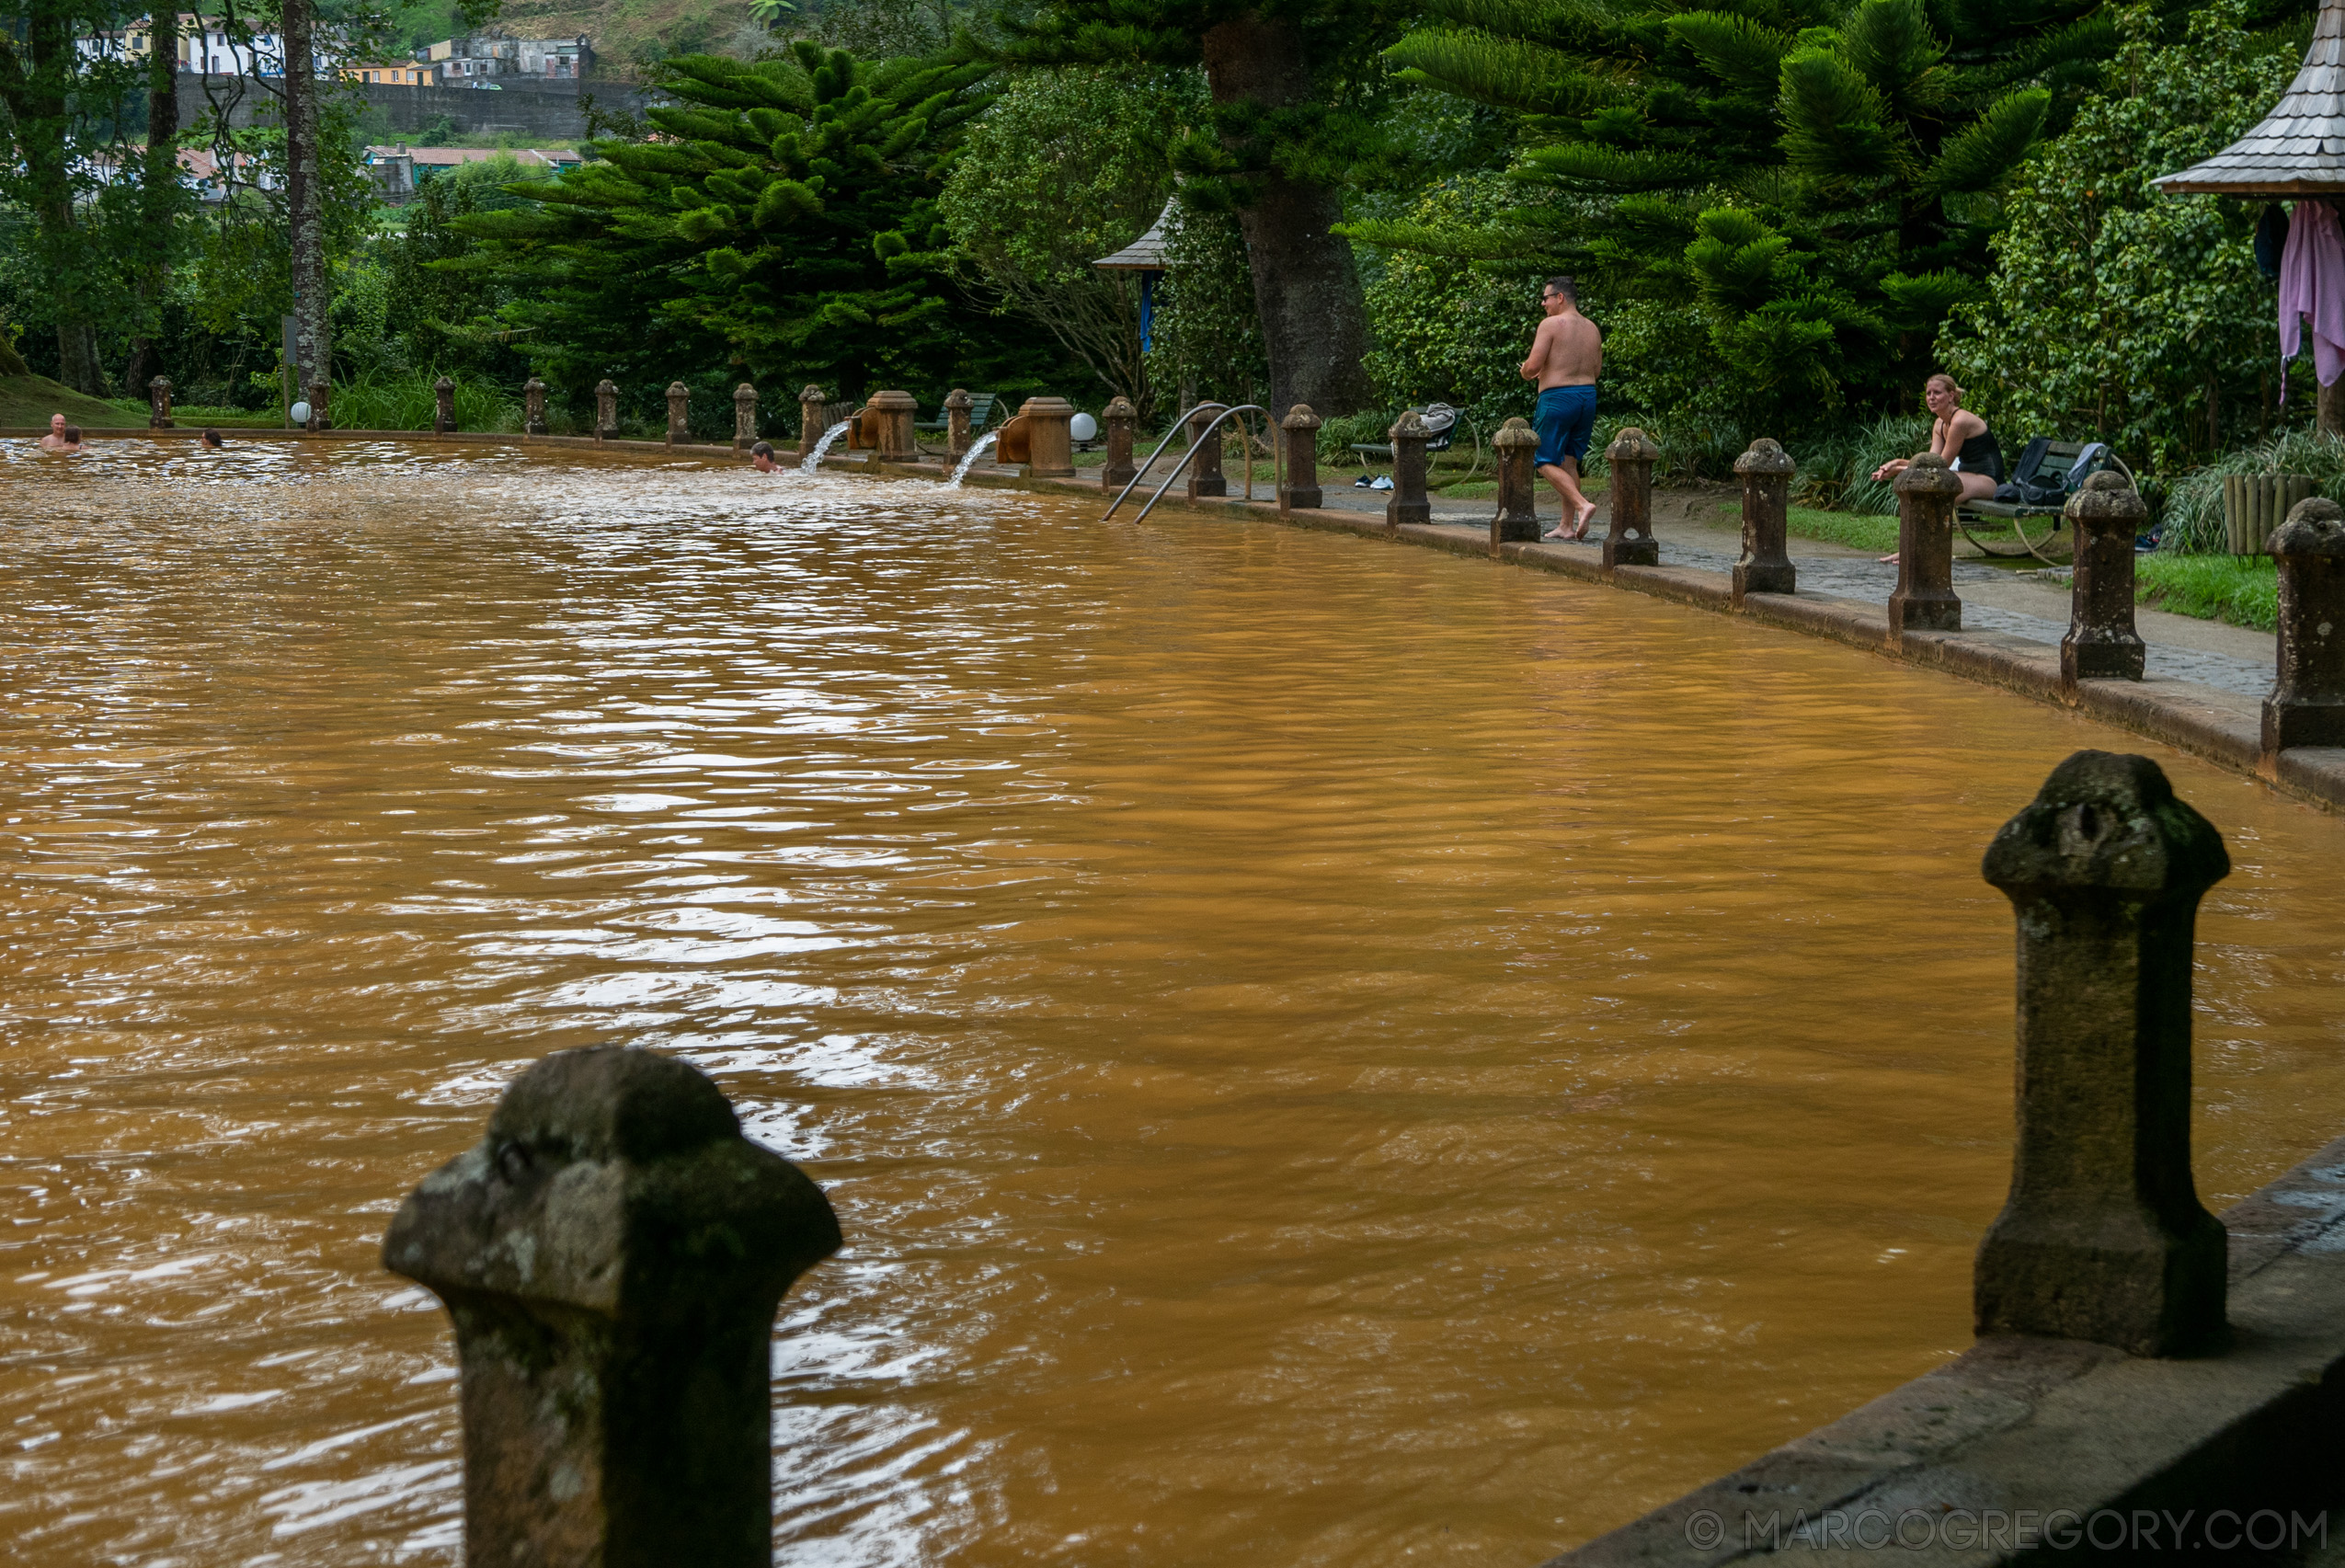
551,110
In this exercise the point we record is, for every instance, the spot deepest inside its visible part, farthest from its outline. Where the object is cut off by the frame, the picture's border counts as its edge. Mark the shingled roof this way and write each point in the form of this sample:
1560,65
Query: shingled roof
2299,148
1145,254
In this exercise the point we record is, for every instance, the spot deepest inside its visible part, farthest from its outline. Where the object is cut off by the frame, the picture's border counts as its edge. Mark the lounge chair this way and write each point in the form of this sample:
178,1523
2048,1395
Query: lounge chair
980,414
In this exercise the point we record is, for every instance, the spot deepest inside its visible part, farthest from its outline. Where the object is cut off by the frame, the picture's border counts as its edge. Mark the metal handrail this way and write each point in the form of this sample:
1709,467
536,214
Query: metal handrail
1141,473
1198,445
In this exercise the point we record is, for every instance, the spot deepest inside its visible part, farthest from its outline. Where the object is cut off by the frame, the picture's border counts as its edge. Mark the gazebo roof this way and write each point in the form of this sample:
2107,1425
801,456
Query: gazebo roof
1145,254
2296,150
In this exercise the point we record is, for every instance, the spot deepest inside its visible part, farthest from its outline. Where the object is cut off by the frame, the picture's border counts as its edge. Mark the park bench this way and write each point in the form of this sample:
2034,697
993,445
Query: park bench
980,413
1439,419
2041,466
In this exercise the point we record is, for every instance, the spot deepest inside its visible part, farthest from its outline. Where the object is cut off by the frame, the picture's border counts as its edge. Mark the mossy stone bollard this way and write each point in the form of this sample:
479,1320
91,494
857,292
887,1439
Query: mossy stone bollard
680,429
321,416
2103,1237
812,405
891,421
1121,419
611,1253
1516,518
2106,516
2307,704
1766,565
1050,447
443,406
1928,492
744,417
1298,482
1628,538
1410,503
1205,478
957,404
606,410
158,404
533,407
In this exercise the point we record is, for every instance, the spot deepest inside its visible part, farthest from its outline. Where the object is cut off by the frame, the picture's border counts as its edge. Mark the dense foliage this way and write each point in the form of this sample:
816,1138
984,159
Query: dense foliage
2114,309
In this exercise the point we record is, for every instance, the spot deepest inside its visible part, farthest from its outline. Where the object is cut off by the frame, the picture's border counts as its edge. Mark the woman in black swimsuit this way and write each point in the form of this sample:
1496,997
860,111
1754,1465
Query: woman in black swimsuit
1960,438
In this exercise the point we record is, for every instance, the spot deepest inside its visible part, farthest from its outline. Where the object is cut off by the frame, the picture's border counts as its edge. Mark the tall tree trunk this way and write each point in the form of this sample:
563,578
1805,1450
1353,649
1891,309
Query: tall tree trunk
1307,290
36,86
304,201
158,195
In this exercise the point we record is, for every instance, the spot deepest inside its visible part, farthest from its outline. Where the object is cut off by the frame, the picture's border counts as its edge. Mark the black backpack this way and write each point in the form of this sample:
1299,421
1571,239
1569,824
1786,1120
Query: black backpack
2024,492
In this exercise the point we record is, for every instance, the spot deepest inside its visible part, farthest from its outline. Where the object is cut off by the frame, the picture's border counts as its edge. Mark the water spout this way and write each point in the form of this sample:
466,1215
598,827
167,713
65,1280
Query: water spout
814,458
969,457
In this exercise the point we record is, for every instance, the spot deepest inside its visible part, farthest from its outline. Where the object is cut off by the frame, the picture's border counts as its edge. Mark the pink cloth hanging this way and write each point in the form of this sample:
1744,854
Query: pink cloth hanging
2312,283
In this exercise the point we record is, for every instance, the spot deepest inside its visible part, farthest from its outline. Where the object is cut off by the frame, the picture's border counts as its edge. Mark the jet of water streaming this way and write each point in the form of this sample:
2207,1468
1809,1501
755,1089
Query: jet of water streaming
814,458
969,457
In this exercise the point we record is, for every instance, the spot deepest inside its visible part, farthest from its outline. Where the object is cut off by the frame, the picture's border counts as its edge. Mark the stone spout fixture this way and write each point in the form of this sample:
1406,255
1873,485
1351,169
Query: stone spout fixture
533,407
611,1253
1928,492
1410,504
1766,565
606,410
2103,1238
1050,448
680,429
1298,472
1516,518
888,416
744,417
2101,644
158,404
1122,419
957,404
2307,705
811,424
1205,478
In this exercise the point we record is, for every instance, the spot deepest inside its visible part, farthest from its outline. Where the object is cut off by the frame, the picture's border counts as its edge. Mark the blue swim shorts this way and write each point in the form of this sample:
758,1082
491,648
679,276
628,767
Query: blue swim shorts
1565,417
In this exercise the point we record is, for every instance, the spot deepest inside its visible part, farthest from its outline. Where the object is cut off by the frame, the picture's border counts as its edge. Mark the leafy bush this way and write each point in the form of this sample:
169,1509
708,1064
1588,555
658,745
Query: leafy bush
1836,470
381,400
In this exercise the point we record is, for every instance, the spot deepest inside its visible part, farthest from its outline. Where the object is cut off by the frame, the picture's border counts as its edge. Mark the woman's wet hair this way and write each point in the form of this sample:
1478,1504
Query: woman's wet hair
71,435
212,438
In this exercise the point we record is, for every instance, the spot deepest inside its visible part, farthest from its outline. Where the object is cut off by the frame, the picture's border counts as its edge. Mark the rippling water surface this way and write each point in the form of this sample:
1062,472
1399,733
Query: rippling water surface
1325,1053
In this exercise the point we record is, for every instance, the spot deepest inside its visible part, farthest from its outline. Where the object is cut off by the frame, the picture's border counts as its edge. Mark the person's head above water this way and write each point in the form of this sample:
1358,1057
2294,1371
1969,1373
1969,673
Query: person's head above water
56,424
212,438
70,435
762,454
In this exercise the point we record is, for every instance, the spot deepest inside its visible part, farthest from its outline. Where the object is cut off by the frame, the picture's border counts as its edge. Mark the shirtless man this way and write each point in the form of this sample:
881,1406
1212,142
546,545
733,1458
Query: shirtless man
762,457
1567,355
55,440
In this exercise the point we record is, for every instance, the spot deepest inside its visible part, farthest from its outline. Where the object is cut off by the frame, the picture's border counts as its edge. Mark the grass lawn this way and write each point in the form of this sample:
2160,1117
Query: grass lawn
197,415
28,400
2242,589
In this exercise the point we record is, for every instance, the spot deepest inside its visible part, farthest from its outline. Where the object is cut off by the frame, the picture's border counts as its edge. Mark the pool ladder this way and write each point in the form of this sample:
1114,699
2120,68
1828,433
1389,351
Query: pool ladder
1278,456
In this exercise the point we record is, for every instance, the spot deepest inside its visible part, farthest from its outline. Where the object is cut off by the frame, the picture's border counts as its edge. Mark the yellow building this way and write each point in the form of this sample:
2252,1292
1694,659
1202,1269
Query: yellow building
402,74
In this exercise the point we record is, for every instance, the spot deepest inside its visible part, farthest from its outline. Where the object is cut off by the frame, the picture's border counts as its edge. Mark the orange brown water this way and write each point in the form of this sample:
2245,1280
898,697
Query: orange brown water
1324,1053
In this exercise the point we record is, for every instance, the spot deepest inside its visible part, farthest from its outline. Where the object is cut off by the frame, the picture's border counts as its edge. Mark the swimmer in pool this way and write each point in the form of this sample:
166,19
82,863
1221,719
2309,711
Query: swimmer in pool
55,440
762,456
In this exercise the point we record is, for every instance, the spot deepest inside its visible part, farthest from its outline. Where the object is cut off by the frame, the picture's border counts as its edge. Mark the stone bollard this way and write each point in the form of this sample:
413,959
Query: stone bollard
1409,503
1299,484
611,1253
321,416
957,404
606,410
891,437
443,406
1121,419
1205,478
1516,518
1050,448
2106,516
1927,494
1765,566
1628,540
744,417
811,404
158,404
680,429
533,407
2307,705
2102,1237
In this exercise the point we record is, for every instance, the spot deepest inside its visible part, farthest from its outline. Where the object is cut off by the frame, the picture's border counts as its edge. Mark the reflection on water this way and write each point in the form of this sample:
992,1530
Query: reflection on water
1324,1052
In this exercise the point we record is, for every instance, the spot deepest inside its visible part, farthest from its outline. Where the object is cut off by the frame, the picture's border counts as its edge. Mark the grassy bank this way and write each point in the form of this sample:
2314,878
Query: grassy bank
2242,589
27,400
